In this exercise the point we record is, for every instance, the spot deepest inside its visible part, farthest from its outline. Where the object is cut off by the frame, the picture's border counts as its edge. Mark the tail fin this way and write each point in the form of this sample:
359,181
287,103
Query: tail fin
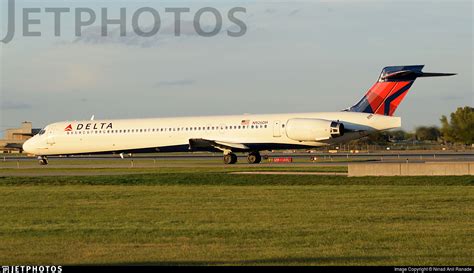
391,88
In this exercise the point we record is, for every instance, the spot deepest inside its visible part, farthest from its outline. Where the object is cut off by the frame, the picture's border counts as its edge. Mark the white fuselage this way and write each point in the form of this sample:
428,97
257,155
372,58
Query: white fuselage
239,133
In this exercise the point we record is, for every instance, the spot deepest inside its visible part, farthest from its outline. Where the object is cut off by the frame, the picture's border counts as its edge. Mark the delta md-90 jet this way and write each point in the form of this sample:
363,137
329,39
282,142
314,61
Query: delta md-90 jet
249,134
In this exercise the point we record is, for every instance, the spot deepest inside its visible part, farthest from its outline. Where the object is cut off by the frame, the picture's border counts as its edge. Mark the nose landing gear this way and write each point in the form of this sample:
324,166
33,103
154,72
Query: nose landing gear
43,160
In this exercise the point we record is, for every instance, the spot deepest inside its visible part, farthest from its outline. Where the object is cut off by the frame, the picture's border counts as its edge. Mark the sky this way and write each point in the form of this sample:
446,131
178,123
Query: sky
296,56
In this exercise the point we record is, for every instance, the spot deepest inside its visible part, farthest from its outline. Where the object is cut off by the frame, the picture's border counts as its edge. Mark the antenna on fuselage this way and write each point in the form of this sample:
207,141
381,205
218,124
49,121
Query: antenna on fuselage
93,116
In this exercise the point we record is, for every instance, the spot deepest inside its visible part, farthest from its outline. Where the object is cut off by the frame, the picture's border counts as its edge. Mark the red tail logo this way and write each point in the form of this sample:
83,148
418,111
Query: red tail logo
391,88
68,128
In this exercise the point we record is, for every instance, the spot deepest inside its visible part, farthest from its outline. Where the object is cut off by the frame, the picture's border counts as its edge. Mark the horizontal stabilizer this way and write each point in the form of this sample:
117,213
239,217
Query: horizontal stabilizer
410,75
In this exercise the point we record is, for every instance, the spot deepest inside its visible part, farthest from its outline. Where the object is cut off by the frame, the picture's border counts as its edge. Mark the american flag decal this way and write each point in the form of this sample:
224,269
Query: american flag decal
245,122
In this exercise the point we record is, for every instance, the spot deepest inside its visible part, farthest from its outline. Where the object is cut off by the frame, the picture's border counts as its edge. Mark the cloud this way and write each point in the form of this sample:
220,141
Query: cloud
15,105
175,83
270,11
93,35
294,12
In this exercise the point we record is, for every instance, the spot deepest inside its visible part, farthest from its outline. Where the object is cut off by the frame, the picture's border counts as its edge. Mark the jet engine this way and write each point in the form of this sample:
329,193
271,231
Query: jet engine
313,129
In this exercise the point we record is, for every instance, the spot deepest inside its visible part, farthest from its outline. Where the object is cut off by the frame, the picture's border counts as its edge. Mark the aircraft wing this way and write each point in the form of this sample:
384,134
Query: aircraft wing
199,144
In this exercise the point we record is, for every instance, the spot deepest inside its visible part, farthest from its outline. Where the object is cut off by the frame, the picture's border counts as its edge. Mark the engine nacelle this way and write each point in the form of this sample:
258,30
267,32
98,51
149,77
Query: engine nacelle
313,129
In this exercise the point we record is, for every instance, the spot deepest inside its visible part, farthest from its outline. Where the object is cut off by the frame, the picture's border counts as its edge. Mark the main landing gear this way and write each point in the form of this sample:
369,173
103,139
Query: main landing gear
43,160
252,158
230,158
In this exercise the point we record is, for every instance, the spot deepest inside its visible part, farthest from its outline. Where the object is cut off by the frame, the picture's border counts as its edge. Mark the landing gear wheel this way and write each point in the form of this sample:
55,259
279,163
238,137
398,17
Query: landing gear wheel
254,158
43,160
230,159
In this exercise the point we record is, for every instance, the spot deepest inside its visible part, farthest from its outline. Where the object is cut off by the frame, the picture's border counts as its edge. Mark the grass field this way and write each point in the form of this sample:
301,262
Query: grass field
210,217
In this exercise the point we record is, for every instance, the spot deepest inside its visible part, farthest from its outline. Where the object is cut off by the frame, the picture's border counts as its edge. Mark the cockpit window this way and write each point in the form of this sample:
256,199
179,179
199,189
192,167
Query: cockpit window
42,132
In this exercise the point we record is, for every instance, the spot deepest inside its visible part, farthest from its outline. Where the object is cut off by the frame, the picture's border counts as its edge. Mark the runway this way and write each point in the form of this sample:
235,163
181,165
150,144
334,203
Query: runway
303,163
389,155
297,157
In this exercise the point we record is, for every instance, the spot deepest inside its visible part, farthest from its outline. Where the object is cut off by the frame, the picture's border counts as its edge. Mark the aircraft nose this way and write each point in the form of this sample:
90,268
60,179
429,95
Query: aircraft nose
28,147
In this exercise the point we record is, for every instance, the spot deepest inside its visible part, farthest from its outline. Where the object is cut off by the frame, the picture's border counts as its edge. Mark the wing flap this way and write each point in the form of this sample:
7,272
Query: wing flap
198,144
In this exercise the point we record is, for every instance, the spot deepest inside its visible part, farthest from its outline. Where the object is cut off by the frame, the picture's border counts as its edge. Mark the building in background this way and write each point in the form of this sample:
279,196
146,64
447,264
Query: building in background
15,137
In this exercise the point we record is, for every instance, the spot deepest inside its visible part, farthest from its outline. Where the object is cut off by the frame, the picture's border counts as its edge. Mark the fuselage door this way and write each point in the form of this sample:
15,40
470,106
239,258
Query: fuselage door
50,141
277,128
50,136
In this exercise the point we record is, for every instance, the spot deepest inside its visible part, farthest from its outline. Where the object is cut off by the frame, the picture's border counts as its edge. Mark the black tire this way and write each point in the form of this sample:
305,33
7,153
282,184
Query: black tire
230,159
43,162
254,158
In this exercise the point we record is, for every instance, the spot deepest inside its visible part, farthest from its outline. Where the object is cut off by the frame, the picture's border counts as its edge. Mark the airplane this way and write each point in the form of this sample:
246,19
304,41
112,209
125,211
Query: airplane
249,134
